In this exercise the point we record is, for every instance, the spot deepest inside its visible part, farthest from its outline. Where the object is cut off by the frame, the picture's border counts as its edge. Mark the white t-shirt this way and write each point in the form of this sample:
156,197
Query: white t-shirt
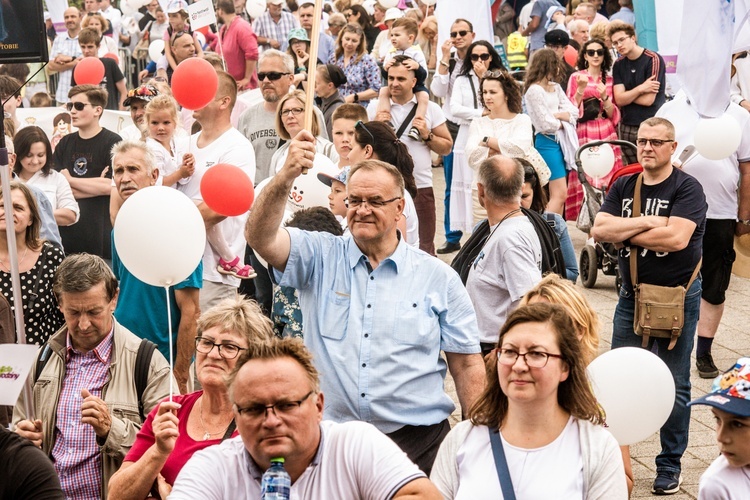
412,222
419,151
552,471
57,189
354,460
722,481
719,178
232,148
167,162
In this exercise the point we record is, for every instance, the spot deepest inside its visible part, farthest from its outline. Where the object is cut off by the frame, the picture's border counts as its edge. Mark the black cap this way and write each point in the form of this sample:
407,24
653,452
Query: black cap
559,38
338,78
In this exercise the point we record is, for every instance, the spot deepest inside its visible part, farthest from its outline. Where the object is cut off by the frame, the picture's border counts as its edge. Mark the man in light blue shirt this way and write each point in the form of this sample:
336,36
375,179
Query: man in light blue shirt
377,311
625,14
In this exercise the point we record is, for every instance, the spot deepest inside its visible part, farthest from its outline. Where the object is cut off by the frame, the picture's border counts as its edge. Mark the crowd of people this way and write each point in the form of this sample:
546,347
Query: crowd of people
325,336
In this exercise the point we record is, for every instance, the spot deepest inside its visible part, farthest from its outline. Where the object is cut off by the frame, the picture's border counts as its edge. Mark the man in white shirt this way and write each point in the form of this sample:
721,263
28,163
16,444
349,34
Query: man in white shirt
66,53
278,408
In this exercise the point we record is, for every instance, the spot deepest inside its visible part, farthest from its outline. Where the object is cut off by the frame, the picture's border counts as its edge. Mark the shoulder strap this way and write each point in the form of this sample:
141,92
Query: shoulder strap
406,121
501,465
142,363
41,360
230,430
37,279
473,90
451,66
635,211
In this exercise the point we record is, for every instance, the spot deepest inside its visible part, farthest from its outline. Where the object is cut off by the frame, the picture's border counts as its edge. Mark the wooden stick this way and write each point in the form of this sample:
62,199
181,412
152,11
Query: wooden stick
312,68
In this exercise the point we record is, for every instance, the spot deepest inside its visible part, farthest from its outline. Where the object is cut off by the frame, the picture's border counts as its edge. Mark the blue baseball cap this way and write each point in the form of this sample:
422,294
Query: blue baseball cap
730,391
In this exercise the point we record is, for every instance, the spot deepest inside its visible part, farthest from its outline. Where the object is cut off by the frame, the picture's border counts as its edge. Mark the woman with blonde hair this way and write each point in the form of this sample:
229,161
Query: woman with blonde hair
363,80
98,22
427,40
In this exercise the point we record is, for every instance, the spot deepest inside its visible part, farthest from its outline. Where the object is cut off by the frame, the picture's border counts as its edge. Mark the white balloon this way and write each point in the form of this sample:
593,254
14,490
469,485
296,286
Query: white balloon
388,4
598,161
255,8
429,2
636,390
307,191
160,235
155,49
717,138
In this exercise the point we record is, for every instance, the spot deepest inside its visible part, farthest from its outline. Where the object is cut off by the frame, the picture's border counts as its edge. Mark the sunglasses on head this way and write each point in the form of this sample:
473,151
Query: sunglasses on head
594,52
454,34
78,105
271,75
361,124
483,57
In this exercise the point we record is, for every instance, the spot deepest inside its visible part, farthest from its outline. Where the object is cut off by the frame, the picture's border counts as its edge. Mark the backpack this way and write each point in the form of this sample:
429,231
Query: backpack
142,362
552,256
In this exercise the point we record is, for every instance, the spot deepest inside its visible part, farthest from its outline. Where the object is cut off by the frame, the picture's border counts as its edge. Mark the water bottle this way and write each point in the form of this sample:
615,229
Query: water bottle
276,483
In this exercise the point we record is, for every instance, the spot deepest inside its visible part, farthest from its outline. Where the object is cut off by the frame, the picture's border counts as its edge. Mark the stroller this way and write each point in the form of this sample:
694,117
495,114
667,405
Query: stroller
596,255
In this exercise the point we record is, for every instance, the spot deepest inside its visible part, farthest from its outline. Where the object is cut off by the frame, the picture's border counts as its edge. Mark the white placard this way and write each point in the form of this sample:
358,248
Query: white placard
201,14
15,365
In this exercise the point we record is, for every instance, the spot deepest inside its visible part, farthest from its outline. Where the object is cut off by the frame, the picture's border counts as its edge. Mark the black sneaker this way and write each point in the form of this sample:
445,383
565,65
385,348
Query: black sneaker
666,483
706,366
414,134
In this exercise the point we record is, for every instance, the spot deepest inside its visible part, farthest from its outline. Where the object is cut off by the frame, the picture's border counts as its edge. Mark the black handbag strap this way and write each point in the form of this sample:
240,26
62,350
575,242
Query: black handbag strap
230,430
406,121
501,465
473,90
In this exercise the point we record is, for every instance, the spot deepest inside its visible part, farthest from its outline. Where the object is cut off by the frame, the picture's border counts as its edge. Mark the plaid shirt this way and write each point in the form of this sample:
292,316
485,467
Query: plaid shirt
76,453
63,44
266,27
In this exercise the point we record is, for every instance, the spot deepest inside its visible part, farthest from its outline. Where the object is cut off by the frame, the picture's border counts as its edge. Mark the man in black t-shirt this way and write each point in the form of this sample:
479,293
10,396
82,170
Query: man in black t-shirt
639,82
83,157
668,237
25,471
113,81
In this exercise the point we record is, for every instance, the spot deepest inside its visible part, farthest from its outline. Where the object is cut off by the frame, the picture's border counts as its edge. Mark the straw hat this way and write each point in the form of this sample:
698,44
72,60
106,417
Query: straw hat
742,262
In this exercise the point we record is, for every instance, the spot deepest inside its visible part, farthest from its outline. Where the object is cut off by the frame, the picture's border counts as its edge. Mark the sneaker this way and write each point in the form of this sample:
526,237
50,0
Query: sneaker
706,366
233,268
667,483
414,134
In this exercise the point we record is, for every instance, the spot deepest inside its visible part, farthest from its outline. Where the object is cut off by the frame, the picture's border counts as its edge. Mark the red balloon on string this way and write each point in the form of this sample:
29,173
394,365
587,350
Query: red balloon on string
89,70
113,56
194,83
227,190
571,56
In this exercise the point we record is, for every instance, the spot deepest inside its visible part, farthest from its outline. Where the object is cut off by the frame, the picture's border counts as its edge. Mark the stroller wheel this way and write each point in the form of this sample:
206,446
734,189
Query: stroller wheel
587,266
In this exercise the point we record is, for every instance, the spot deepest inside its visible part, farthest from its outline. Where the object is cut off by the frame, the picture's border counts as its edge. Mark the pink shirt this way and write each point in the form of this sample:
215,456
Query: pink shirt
239,44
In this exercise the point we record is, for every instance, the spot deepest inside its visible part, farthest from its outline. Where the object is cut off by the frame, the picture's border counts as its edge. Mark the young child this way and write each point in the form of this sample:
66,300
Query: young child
343,121
402,35
338,194
728,477
178,17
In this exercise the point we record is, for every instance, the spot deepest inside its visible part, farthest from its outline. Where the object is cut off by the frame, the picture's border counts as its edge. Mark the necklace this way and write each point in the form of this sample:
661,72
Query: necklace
207,435
19,262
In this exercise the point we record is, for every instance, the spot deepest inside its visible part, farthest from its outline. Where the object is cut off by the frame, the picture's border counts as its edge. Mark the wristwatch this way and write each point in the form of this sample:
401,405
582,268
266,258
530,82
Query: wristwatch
429,137
356,97
485,141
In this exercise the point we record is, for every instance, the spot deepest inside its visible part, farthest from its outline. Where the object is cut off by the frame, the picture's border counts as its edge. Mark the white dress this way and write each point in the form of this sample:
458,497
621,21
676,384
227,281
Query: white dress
57,189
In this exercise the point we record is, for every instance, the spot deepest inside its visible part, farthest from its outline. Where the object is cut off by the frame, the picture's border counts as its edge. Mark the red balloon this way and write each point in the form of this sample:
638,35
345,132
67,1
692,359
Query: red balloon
194,83
112,56
571,56
227,190
89,70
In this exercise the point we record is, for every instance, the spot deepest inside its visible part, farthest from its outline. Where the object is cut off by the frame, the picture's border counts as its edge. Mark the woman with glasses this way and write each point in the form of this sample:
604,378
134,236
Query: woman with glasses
378,141
539,412
290,117
591,90
363,80
358,14
548,107
176,429
466,106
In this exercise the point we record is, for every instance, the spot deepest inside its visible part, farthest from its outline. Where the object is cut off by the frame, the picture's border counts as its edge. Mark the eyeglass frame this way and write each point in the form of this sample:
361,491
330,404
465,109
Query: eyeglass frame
200,339
291,111
461,33
484,57
594,52
70,105
295,405
266,75
373,204
362,125
621,40
499,351
655,143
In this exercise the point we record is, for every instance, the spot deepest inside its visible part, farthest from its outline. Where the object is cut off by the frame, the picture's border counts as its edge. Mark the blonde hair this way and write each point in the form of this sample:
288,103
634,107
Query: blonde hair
162,103
556,290
299,95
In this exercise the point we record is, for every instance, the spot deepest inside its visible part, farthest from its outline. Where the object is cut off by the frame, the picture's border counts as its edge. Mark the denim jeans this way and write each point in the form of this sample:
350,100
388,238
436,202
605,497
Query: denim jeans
450,236
674,433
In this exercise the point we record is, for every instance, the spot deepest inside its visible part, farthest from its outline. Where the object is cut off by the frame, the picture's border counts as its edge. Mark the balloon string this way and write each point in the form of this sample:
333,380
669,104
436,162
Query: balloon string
171,349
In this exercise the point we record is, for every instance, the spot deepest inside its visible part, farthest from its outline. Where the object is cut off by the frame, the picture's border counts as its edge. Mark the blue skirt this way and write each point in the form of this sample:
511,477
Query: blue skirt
552,154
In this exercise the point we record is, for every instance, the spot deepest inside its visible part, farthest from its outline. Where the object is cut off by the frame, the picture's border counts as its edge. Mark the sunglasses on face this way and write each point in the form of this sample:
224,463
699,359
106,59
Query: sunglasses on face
78,105
483,57
461,33
271,75
594,52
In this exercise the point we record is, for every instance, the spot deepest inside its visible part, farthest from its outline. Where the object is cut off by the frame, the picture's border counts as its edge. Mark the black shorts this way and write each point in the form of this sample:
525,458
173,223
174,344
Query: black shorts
718,257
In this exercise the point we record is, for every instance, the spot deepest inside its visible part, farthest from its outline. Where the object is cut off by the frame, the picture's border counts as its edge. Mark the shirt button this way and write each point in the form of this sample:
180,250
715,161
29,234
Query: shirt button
414,305
369,306
363,394
372,278
364,365
367,335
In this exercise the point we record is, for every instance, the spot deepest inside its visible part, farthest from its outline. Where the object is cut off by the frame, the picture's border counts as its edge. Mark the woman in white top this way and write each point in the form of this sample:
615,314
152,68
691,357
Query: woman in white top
539,408
378,141
290,116
466,107
548,107
34,166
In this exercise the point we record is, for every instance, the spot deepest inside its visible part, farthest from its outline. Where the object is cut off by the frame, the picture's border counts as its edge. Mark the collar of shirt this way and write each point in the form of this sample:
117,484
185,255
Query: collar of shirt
412,100
102,351
398,257
257,474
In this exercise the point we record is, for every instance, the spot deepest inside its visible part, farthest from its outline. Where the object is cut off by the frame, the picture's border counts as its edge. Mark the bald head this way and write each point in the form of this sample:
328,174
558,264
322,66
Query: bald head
502,180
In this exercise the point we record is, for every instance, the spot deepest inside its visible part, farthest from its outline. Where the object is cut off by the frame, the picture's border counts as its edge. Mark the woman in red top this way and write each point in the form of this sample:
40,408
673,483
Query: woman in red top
175,430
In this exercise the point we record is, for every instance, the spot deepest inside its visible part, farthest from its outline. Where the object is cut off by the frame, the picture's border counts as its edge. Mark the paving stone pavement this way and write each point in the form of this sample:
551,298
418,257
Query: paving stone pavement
732,341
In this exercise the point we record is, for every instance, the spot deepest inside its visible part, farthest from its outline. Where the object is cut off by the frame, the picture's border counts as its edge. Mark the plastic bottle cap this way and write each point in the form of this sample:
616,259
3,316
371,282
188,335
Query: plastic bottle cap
279,460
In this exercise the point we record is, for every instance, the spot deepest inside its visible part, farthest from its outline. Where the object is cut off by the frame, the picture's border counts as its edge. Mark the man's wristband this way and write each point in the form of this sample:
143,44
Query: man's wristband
744,222
443,63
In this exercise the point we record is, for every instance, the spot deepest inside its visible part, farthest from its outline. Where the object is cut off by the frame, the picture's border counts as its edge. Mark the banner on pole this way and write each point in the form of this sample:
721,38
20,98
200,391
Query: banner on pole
201,14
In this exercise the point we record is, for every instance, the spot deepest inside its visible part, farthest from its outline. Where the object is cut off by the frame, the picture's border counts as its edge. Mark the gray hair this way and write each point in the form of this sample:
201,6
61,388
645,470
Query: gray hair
574,26
375,165
123,147
238,315
80,273
502,178
286,59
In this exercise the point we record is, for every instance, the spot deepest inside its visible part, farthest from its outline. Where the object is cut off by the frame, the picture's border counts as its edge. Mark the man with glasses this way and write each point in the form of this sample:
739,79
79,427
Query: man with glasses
142,307
83,157
535,30
377,311
278,407
66,53
84,399
273,25
639,83
668,239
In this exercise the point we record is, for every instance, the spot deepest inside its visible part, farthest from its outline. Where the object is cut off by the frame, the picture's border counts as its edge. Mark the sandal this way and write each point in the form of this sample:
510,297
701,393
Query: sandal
233,268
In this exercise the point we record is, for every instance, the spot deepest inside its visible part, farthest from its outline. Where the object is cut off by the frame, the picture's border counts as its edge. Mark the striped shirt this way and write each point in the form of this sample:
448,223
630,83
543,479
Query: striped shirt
65,45
266,27
76,452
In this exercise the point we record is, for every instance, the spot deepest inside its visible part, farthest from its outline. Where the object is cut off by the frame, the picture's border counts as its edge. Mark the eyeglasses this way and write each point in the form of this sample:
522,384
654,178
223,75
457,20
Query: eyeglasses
655,143
594,52
291,111
226,351
483,57
533,359
358,202
78,105
280,409
271,75
461,33
619,40
361,124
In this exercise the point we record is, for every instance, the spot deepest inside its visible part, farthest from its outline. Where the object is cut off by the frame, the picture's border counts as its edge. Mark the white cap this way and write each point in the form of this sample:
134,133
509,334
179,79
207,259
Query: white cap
47,15
393,13
275,2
